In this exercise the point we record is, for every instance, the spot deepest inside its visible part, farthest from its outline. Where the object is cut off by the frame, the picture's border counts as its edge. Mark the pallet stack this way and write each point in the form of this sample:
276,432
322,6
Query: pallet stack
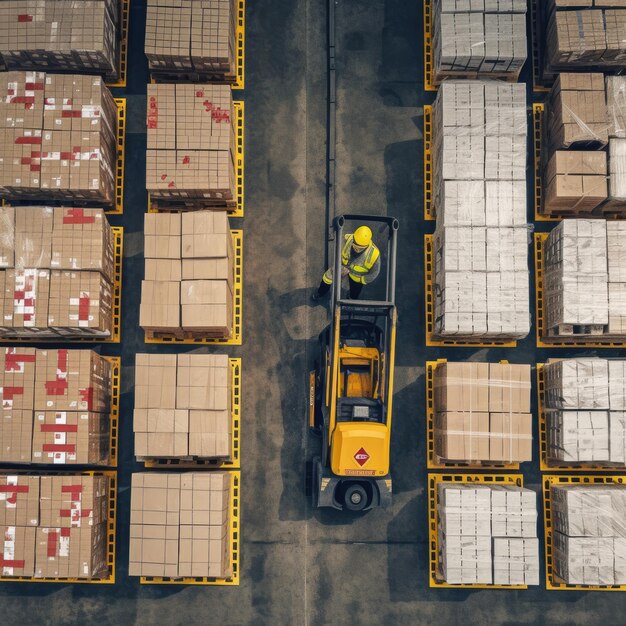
482,413
183,407
58,138
189,274
48,35
56,407
589,533
191,144
585,409
54,526
584,274
479,196
478,39
56,272
192,36
487,535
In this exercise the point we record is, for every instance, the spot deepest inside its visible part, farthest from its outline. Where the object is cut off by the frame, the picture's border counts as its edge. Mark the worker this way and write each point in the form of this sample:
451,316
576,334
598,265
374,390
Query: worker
360,260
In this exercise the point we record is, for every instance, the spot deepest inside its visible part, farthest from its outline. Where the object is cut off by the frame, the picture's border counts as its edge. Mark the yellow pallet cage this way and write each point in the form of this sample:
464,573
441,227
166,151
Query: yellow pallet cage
235,463
116,369
429,69
236,338
235,519
236,211
428,163
123,60
433,480
118,209
116,306
429,272
560,466
109,579
553,582
573,341
432,460
534,10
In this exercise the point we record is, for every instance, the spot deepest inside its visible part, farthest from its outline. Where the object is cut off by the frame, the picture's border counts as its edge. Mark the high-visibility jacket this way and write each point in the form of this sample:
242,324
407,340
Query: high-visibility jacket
362,267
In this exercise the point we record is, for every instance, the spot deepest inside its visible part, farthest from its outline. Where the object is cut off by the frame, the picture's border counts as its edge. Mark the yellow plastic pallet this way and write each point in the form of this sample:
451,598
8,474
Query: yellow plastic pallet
109,579
235,512
428,48
538,109
432,460
116,306
235,340
116,369
544,463
118,209
553,582
428,163
238,211
433,548
240,34
123,60
560,342
537,87
235,374
429,272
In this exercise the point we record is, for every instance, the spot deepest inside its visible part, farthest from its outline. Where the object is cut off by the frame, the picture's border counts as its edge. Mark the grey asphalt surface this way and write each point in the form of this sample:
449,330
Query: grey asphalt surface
300,566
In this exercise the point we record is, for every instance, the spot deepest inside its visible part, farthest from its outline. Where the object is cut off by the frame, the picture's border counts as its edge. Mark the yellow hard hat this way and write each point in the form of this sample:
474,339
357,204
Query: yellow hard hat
362,236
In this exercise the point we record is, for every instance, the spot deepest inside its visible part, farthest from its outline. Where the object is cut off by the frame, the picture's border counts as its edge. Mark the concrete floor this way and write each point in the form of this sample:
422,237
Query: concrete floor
300,566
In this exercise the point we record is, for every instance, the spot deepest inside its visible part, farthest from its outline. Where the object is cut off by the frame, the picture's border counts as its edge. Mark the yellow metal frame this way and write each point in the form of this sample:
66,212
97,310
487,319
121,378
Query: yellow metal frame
537,88
116,369
118,209
544,463
552,581
111,523
116,305
123,60
429,70
235,376
235,512
556,342
237,211
432,461
433,548
240,34
538,109
236,339
429,272
428,159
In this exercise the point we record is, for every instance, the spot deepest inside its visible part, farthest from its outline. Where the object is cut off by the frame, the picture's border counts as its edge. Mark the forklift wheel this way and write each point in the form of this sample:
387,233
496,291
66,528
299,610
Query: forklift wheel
355,497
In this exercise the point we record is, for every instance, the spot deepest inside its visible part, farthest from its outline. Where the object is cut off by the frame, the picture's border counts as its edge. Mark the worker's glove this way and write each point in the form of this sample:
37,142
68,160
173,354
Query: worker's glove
344,271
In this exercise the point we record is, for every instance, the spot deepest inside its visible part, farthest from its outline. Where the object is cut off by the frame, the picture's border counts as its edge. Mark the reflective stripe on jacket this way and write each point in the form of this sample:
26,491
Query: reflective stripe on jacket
362,267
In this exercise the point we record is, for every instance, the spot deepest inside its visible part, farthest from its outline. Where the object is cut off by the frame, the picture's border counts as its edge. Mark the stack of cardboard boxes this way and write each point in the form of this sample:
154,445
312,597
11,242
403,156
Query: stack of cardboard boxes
56,272
54,526
179,525
585,408
482,412
192,35
57,137
189,274
79,36
183,406
585,279
56,407
191,144
585,33
487,535
589,534
479,196
478,39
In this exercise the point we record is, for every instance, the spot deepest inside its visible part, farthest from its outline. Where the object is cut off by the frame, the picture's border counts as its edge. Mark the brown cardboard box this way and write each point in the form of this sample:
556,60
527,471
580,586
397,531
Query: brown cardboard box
17,378
7,236
72,380
210,434
511,437
509,388
71,437
21,99
162,236
158,445
207,306
155,499
205,235
160,305
19,500
73,501
163,270
155,381
26,295
462,436
462,387
203,382
153,550
18,546
33,237
16,434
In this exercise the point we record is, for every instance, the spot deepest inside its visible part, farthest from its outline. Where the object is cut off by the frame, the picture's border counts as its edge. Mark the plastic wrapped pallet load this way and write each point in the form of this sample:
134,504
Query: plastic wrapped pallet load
589,533
487,535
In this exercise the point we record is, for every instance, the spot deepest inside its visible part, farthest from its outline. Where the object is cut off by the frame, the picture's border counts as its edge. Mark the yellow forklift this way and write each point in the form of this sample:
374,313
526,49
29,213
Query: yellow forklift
351,388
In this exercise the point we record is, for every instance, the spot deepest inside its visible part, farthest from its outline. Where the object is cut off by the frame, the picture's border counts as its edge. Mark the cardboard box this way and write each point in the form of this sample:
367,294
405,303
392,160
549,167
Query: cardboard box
7,237
26,296
207,306
16,434
19,500
160,305
163,270
162,236
462,387
18,546
17,378
155,381
462,436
